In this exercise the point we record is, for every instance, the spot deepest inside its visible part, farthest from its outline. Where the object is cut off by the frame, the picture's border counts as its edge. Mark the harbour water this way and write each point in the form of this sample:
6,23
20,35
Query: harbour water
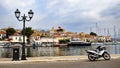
72,50
57,51
80,50
112,49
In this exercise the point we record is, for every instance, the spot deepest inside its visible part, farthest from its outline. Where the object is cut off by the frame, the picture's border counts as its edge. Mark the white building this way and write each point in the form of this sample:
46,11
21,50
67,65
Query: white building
44,41
2,35
17,39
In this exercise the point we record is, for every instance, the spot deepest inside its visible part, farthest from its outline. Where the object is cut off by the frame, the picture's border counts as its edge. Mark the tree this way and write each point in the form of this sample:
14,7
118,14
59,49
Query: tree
10,31
28,31
94,34
64,41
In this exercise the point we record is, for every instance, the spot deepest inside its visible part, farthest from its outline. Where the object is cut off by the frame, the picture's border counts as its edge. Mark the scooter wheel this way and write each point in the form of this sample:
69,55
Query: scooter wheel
106,56
91,57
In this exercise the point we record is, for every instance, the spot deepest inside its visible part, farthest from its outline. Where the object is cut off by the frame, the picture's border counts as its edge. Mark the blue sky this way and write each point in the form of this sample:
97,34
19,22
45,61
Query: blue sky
72,15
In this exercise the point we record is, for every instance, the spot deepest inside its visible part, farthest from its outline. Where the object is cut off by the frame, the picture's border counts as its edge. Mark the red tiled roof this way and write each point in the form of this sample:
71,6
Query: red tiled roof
2,32
35,34
16,34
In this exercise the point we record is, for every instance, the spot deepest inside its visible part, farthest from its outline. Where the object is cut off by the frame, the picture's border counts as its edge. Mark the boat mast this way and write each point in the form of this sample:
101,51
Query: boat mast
96,28
114,34
115,39
104,31
108,32
100,31
90,29
119,34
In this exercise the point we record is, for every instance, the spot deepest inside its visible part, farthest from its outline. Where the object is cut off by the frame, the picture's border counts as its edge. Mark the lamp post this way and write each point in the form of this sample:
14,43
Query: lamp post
23,18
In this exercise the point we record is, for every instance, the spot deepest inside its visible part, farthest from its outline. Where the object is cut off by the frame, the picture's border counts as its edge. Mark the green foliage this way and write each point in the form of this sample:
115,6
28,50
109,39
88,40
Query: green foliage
28,31
87,40
94,34
10,31
63,41
0,39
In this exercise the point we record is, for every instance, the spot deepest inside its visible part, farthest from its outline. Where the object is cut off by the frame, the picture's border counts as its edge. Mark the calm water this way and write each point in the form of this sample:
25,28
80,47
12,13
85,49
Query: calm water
112,49
80,50
72,50
57,51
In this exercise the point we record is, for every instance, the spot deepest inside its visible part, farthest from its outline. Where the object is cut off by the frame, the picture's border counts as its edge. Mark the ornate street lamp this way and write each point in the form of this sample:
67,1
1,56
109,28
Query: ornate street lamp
23,18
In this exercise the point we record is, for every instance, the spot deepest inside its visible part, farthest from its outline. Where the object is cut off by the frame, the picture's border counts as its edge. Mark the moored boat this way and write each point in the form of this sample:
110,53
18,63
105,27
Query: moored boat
79,43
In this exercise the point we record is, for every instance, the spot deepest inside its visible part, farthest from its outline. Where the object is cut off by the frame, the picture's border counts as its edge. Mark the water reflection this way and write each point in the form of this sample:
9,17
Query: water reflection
58,51
112,49
80,50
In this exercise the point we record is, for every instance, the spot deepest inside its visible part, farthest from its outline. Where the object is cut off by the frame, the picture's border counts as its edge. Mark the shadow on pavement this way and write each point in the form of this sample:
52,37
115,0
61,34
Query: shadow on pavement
98,60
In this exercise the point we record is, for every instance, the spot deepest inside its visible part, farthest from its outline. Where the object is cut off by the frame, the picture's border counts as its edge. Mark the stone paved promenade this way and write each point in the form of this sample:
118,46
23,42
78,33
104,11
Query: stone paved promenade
50,59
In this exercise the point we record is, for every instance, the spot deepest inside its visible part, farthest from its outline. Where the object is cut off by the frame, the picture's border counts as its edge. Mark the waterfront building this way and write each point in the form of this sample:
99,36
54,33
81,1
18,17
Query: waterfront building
90,38
108,38
42,41
104,39
2,34
17,38
59,32
87,37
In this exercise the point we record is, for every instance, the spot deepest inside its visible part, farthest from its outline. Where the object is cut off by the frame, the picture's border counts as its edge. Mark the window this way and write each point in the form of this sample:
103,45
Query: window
20,39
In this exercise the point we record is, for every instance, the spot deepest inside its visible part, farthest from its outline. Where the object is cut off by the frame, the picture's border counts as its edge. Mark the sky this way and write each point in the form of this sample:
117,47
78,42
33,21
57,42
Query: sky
100,16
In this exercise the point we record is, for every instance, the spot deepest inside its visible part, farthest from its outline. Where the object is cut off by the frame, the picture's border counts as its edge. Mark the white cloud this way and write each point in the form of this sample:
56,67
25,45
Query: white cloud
14,4
56,12
18,3
52,4
88,8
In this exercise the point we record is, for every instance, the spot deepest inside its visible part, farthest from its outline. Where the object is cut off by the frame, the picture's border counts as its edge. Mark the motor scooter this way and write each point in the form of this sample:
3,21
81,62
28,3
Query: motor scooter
98,53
